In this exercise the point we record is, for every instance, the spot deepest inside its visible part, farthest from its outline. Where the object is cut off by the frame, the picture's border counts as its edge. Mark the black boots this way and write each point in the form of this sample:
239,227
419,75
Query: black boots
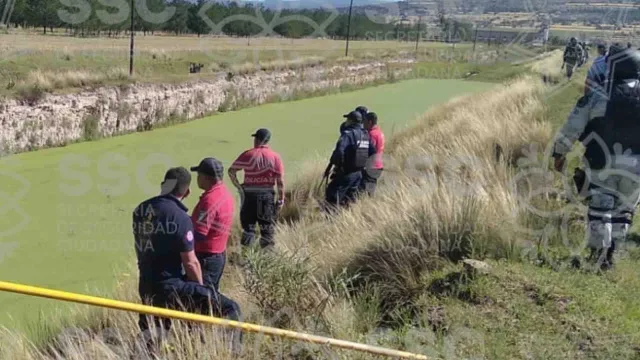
603,257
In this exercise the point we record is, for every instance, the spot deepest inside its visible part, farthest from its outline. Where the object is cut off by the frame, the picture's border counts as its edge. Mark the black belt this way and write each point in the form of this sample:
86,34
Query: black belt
208,254
258,190
346,172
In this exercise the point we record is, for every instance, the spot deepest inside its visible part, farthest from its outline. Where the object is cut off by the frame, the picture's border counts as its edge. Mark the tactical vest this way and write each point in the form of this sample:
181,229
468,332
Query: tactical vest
571,52
620,126
356,156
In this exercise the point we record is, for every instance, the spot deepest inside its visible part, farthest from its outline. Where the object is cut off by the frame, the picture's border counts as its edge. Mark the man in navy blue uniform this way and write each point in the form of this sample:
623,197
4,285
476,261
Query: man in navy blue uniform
363,110
347,161
170,274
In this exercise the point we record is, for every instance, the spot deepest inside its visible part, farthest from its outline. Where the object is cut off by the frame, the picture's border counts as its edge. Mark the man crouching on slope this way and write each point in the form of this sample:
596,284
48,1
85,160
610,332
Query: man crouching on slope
609,127
164,239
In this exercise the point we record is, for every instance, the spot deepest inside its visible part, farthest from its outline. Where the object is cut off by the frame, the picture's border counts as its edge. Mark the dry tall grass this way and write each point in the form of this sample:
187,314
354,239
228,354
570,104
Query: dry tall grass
21,43
278,65
444,196
39,81
549,66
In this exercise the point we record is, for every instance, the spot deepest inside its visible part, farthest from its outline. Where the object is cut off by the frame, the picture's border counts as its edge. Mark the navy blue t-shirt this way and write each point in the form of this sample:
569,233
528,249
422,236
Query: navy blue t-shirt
162,230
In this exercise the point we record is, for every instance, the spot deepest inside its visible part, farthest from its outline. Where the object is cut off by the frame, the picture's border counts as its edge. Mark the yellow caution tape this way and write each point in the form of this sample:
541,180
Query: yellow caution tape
150,310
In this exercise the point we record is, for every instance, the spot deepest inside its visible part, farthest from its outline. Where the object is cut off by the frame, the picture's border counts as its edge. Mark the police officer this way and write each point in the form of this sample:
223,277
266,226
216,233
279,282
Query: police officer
597,73
609,127
347,161
170,274
571,57
363,110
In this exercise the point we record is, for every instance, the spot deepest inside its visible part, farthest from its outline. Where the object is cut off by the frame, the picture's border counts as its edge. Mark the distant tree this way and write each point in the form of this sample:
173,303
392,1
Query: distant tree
42,13
13,12
178,23
187,19
195,23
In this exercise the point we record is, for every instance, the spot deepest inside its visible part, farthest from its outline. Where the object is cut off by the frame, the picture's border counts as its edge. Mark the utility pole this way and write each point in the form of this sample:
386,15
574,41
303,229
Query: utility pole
346,50
131,44
418,35
475,40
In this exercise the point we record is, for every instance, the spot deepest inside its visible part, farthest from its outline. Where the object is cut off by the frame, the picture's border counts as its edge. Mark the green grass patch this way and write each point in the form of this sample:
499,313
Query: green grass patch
522,311
495,73
77,63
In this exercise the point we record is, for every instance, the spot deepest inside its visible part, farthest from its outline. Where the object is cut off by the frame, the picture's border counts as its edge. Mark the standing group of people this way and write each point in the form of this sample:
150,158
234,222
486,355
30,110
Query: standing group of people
606,120
356,162
181,256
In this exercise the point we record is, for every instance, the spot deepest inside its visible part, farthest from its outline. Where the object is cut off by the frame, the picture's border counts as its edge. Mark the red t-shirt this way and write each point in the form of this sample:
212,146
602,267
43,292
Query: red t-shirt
262,166
213,218
377,138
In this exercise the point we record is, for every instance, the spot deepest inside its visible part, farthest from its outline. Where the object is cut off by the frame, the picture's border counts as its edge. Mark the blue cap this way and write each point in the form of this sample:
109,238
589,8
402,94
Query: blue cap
354,116
210,166
262,135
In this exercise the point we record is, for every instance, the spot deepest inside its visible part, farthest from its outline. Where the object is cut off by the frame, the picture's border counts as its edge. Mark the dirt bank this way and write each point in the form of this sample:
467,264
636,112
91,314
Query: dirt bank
56,120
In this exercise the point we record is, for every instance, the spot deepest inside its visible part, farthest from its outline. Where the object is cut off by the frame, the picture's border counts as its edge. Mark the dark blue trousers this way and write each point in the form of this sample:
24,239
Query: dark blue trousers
258,207
343,188
212,267
370,181
181,295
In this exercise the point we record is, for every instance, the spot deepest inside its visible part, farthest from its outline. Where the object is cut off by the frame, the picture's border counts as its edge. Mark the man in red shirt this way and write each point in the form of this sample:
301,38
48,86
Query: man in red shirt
212,220
372,172
263,170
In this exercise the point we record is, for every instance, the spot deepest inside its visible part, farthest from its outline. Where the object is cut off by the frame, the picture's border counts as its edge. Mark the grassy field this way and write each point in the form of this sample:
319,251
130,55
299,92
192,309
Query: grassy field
77,200
567,31
61,62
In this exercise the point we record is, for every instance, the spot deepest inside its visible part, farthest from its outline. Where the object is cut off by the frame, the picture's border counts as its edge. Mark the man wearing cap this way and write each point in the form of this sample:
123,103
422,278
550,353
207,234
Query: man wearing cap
373,170
263,169
164,243
347,161
212,220
362,110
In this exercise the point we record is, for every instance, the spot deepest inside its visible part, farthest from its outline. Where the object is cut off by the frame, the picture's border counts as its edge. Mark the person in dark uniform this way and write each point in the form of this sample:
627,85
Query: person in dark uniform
170,274
612,162
263,171
347,162
363,110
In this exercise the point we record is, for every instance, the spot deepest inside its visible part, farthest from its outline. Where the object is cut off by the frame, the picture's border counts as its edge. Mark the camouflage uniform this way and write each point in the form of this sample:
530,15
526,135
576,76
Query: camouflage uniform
571,57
